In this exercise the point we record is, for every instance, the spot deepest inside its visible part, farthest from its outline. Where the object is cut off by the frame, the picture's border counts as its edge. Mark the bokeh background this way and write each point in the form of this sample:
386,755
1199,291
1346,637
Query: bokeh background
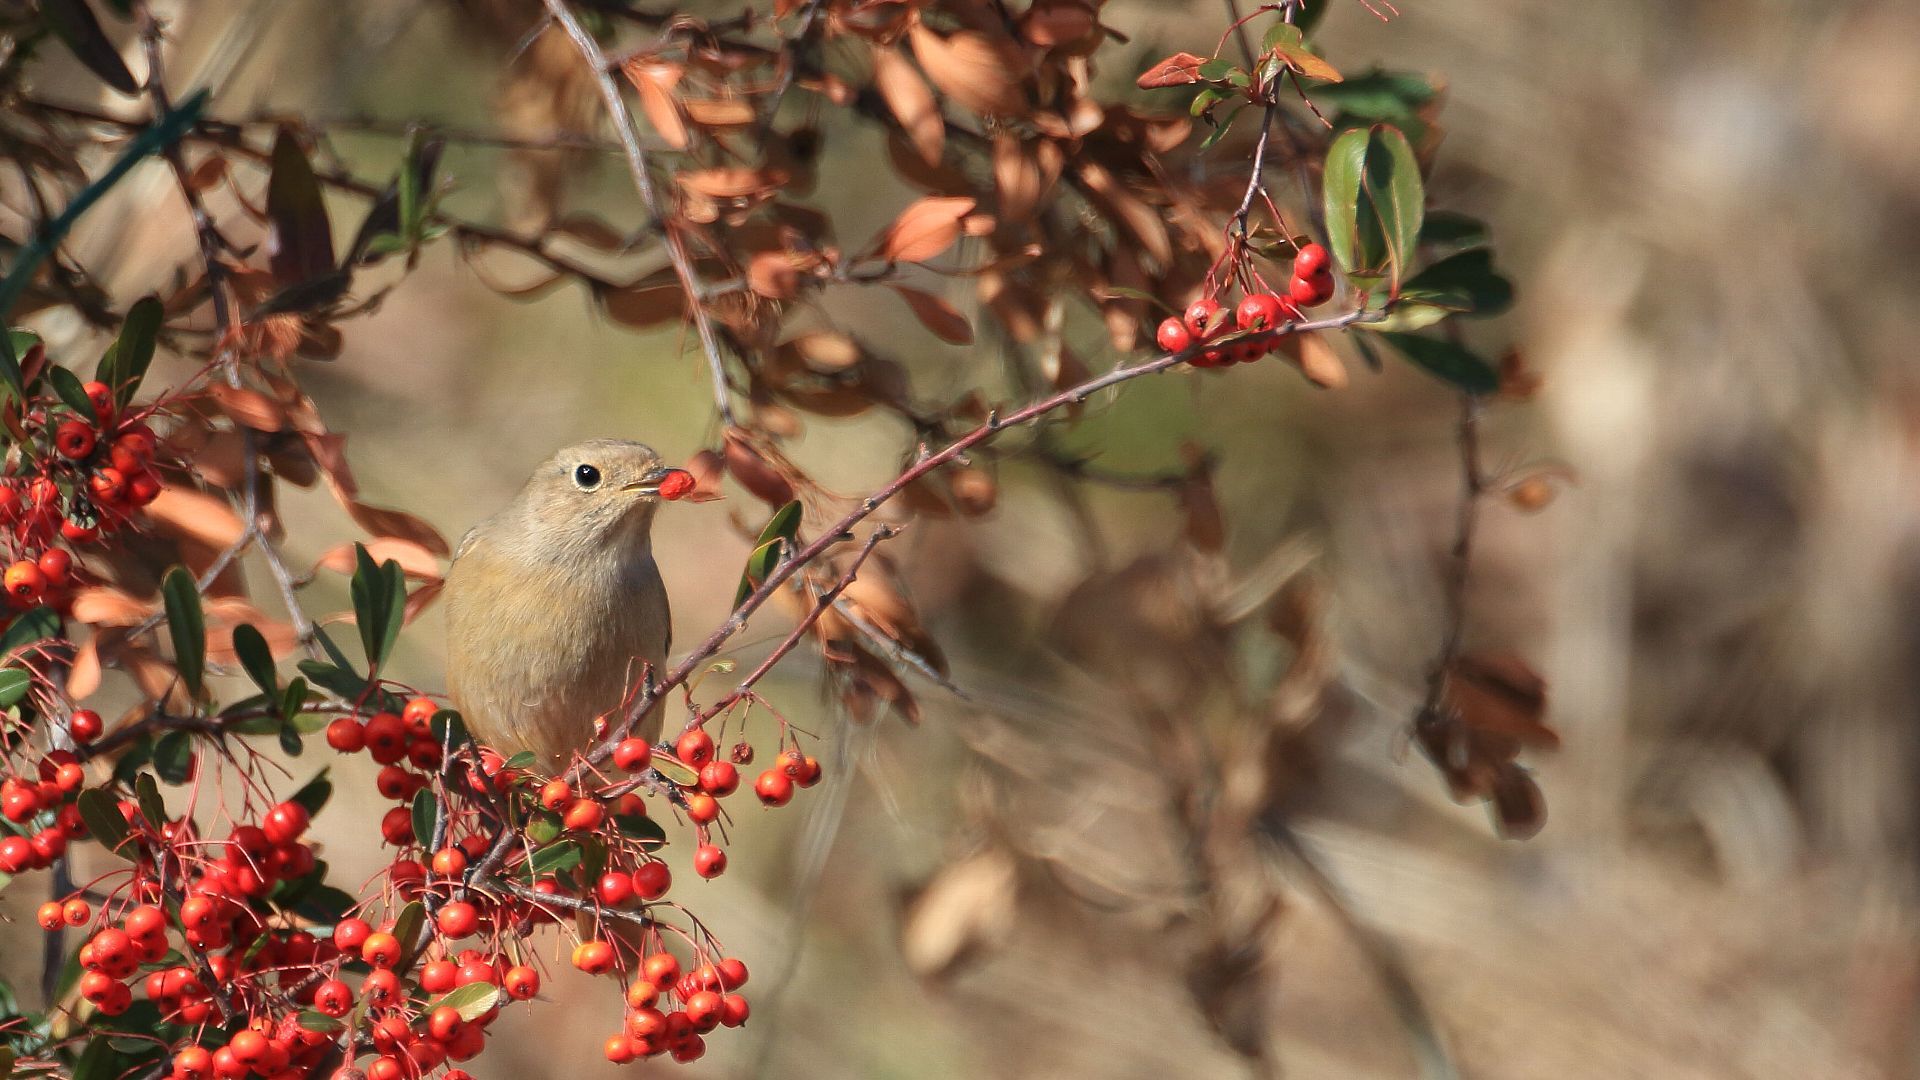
1712,209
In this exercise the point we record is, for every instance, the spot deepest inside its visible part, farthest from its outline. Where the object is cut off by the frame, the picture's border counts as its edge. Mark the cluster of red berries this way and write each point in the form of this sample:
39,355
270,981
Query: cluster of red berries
42,810
1236,331
670,1011
76,479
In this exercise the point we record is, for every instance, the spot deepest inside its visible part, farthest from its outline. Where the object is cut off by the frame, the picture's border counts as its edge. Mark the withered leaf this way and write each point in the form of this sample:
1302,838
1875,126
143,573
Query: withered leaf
981,72
937,315
1180,69
911,103
924,229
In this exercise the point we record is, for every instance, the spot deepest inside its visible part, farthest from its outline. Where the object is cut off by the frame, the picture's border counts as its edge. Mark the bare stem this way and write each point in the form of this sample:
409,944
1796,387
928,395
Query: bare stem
643,184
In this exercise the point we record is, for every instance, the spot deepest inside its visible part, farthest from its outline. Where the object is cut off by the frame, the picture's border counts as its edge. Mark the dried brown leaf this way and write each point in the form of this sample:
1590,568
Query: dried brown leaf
1180,69
937,315
719,112
189,514
654,81
924,229
249,408
103,605
414,559
967,909
982,72
911,102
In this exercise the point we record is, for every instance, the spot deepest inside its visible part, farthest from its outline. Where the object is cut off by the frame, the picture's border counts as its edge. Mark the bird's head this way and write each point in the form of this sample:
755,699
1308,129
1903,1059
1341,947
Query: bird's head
593,495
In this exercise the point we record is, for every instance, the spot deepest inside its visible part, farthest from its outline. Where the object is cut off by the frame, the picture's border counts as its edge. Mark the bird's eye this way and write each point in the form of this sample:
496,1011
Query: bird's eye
587,477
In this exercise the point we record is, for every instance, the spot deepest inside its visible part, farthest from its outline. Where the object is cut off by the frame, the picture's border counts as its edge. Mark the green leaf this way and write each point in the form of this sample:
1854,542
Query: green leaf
379,604
14,684
779,534
525,759
1447,361
315,1020
73,22
406,925
543,827
173,757
314,793
127,359
324,904
152,807
1216,70
1207,98
67,385
19,343
426,811
290,743
300,239
1284,40
675,770
338,680
100,1061
641,828
1221,130
255,657
1393,184
1409,314
554,859
1340,191
101,813
471,1001
1465,283
1377,95
36,625
294,697
187,625
593,858
448,729
1447,232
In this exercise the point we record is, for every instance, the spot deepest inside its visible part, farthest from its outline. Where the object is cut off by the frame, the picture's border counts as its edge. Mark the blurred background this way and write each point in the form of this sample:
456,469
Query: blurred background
1711,209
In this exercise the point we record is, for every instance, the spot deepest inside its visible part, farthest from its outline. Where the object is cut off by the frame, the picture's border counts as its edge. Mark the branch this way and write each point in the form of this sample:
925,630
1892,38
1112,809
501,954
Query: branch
1473,484
643,183
820,607
927,462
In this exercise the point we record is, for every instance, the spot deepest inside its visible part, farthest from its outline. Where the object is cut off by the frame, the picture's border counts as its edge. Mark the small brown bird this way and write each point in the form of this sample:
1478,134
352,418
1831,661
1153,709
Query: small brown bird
554,604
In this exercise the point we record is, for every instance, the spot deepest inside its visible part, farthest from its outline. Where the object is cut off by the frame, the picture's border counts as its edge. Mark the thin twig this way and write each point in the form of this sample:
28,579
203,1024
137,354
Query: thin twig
643,184
820,607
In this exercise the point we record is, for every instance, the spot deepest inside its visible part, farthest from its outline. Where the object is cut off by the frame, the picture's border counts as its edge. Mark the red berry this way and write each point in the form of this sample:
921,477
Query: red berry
285,822
109,485
25,582
584,815
333,998
146,921
77,912
521,983
702,807
75,531
449,862
1259,311
458,919
396,827
55,563
661,969
74,439
703,1010
419,712
556,794
632,754
1173,335
694,747
733,973
676,484
1311,291
593,957
381,949
774,787
386,737
614,888
733,1010
709,861
719,779
51,916
1310,261
101,395
439,976
347,735
651,880
1202,318
84,725
618,1049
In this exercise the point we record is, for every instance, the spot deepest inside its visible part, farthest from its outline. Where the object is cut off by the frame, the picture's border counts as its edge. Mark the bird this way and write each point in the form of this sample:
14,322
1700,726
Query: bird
555,606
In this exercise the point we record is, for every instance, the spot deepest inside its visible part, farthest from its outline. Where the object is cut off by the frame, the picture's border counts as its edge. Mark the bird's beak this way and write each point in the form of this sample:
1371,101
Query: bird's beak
650,483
